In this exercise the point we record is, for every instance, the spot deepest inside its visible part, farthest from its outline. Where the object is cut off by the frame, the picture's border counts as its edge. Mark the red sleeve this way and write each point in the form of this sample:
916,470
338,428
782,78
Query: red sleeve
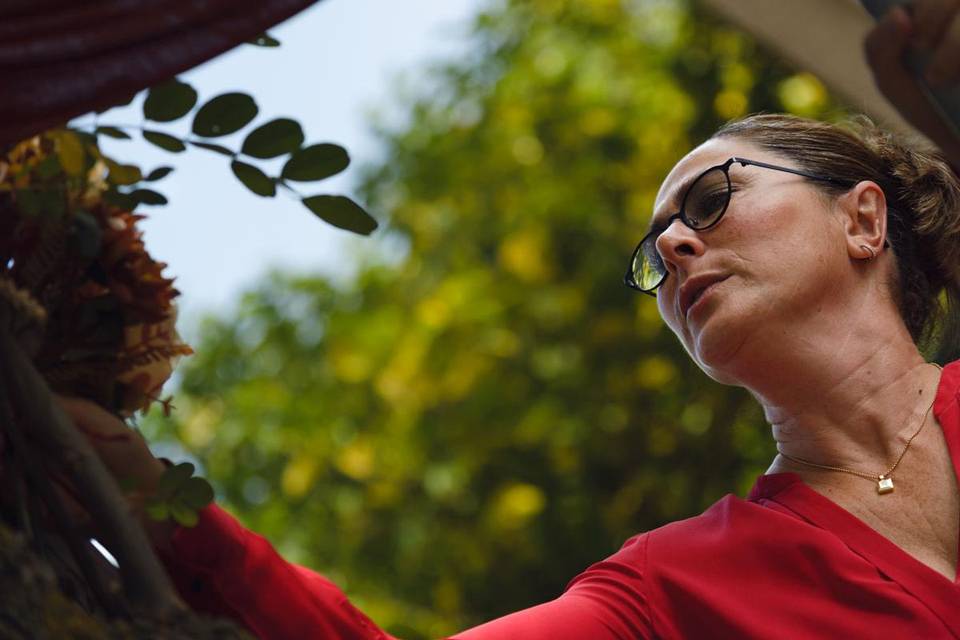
222,569
606,602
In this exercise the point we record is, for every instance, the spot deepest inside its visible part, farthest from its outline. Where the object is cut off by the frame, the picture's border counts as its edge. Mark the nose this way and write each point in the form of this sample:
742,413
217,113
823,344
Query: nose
677,245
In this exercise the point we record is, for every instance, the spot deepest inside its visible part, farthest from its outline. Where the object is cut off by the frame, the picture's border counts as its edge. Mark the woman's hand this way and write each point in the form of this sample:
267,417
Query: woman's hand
126,456
932,26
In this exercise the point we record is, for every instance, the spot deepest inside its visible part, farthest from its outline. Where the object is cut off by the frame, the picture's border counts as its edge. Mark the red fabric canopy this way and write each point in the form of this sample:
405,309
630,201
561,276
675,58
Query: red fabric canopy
61,58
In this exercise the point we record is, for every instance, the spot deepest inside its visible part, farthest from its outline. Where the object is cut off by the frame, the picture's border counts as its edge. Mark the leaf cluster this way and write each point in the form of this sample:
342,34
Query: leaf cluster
179,495
224,115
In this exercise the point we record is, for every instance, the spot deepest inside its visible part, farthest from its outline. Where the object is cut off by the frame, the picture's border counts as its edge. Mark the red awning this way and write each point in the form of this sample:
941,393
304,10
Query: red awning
61,58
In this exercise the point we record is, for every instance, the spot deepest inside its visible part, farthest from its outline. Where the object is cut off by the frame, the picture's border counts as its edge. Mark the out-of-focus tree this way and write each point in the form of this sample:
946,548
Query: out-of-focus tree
462,429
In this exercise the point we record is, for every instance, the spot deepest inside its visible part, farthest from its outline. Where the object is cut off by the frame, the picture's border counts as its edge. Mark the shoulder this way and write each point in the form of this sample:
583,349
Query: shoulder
728,533
947,401
946,404
730,524
679,557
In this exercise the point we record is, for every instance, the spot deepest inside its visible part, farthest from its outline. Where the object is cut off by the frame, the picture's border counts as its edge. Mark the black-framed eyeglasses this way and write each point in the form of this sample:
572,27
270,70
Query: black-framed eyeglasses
703,204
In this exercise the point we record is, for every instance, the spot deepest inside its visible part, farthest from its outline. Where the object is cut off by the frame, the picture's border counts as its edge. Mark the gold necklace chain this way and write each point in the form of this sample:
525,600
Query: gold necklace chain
884,481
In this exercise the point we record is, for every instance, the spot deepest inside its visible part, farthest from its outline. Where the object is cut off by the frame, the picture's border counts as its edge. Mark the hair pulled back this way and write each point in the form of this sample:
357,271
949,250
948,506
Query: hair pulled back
923,209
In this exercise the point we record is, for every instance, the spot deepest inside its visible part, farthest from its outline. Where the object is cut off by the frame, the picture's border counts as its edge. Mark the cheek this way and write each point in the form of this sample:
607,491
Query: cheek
771,241
668,310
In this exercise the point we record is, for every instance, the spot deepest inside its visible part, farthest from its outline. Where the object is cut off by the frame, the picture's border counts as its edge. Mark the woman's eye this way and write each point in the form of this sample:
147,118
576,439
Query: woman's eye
707,207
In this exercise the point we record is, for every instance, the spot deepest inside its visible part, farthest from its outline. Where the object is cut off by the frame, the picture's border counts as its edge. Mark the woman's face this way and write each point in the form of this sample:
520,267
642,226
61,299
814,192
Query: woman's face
745,284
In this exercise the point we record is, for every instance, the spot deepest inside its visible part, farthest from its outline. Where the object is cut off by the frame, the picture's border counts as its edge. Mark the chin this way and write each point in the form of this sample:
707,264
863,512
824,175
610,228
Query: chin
717,348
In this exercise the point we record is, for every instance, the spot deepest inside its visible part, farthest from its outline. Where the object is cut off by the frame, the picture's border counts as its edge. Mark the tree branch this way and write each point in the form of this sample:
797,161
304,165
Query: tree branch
144,580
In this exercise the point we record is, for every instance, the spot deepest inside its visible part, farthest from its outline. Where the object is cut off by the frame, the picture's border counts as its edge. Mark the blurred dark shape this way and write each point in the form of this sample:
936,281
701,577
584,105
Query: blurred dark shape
60,58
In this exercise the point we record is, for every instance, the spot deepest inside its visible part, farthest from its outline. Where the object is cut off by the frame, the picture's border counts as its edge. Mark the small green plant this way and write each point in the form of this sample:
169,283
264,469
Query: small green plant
180,495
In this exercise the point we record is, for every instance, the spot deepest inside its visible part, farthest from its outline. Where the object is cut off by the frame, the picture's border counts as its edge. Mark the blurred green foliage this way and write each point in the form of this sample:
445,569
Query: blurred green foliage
460,431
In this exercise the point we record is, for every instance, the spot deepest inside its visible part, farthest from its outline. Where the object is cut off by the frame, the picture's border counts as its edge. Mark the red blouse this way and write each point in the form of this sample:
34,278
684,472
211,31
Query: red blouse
784,563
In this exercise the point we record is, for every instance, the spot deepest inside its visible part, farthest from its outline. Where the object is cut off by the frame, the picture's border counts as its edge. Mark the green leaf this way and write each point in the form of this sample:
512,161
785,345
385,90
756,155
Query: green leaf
183,514
316,162
70,150
85,136
224,114
342,212
113,132
33,201
123,174
157,510
196,492
148,196
264,40
273,139
86,235
169,101
48,167
253,179
158,174
216,148
173,478
164,141
120,199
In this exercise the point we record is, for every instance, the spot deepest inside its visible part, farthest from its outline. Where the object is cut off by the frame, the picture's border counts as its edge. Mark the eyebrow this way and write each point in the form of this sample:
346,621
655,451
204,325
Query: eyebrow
678,191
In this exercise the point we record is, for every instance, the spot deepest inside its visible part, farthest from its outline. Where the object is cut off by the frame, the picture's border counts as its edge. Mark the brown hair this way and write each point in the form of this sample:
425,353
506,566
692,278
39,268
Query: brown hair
923,209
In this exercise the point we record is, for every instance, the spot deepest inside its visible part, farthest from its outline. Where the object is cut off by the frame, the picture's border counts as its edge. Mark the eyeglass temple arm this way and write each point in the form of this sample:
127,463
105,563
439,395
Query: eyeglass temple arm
838,181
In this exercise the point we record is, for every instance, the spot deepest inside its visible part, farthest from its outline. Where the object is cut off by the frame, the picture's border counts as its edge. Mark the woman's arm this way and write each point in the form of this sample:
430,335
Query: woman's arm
221,568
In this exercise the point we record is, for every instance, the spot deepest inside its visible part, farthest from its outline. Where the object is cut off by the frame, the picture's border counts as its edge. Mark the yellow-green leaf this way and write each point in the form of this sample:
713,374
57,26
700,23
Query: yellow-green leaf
72,156
123,174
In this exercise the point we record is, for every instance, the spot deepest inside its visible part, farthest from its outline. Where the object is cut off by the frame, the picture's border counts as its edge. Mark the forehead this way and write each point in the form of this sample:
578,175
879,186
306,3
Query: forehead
712,152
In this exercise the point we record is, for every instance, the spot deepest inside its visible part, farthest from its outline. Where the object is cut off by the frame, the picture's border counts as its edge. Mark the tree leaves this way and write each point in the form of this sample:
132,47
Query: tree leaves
253,179
224,114
341,212
130,200
264,40
164,141
315,162
112,132
120,199
123,174
273,139
216,148
158,174
73,157
148,196
169,101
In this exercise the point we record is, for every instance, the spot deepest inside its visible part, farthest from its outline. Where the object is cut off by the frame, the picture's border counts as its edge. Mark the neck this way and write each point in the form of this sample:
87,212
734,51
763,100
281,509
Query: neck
863,423
846,399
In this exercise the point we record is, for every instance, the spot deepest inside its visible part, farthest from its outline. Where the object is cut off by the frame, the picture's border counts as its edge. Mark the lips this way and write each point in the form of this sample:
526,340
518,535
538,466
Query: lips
694,287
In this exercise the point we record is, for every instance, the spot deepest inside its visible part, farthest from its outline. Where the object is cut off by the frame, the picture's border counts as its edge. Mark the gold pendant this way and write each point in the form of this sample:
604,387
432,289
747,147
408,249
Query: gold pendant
884,485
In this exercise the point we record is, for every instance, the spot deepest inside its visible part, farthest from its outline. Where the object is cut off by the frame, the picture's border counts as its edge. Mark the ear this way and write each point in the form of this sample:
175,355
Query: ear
864,218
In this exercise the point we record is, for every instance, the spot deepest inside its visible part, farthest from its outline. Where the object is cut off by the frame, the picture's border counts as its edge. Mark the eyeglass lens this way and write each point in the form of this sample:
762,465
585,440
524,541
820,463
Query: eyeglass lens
702,207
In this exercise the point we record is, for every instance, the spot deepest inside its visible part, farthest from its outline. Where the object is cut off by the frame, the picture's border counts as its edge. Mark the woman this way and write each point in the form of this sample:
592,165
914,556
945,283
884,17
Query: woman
804,262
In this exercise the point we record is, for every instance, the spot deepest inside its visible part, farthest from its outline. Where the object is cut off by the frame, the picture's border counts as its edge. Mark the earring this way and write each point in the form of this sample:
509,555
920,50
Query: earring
869,249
